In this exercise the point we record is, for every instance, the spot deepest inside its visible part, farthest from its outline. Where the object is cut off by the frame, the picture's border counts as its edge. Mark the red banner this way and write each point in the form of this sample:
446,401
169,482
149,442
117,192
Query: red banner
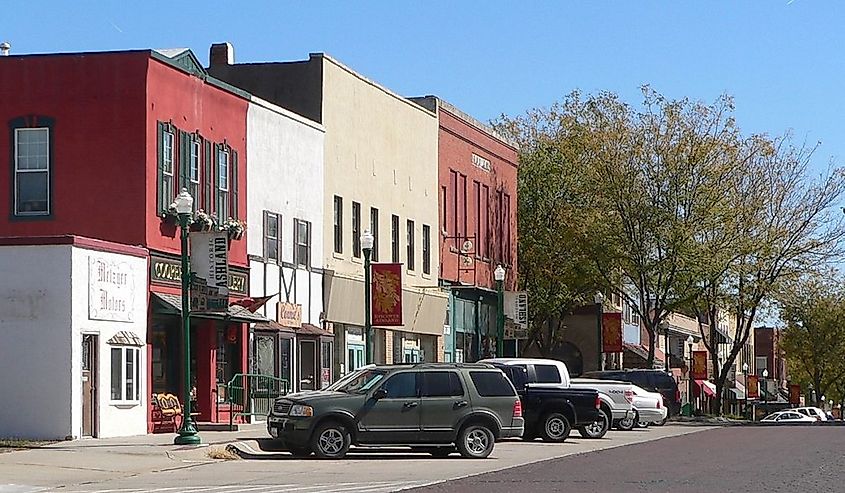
386,302
795,394
752,387
611,332
699,365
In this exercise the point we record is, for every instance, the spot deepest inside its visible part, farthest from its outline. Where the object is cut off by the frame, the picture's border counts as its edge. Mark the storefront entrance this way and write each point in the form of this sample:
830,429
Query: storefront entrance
90,370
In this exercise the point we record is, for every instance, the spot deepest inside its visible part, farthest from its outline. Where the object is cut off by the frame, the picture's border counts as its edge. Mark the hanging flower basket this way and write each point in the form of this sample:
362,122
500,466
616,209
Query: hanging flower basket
234,228
202,221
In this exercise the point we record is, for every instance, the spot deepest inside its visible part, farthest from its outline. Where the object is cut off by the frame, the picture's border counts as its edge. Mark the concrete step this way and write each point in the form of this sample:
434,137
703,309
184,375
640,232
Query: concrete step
201,426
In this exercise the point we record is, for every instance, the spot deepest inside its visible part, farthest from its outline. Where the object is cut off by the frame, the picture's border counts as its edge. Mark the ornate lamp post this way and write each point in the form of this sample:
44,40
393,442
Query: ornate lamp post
599,301
665,328
765,386
690,390
184,205
745,372
367,241
499,276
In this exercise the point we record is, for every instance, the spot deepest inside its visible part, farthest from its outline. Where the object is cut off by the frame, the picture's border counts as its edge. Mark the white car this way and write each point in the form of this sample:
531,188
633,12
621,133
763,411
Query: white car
812,412
649,406
789,416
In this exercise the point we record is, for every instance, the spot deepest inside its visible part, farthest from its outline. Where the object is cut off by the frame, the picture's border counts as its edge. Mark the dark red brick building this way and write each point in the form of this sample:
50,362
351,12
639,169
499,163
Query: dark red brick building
478,204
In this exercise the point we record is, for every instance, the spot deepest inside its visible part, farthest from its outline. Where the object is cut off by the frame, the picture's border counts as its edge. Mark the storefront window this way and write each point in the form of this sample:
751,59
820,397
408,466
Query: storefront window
125,374
228,359
285,345
398,352
326,365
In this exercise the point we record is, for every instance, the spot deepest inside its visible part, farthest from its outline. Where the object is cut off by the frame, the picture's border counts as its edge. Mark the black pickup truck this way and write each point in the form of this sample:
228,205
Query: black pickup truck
551,413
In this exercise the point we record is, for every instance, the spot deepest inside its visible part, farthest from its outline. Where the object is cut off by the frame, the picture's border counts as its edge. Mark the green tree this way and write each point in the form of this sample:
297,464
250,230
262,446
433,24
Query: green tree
812,308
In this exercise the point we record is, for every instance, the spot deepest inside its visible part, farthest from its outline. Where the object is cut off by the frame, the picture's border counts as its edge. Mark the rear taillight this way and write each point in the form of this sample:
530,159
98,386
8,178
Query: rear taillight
517,409
629,396
598,402
660,403
677,395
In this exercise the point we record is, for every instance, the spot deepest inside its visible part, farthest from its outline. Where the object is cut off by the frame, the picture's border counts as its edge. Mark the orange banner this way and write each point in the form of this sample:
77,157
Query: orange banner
795,394
611,332
699,365
752,387
386,303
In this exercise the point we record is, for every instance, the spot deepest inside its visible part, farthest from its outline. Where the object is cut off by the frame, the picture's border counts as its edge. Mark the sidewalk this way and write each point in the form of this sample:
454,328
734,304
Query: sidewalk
95,460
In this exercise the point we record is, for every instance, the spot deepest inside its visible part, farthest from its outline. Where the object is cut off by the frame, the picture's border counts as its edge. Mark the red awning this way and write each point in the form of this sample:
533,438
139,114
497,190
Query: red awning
706,387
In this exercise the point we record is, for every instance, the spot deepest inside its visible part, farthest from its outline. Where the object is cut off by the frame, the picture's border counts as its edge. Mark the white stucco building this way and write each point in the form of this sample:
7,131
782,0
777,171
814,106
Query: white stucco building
73,326
285,245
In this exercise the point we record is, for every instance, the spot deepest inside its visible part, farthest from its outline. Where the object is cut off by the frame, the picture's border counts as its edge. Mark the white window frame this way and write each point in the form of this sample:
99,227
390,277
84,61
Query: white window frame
223,158
46,170
136,399
194,165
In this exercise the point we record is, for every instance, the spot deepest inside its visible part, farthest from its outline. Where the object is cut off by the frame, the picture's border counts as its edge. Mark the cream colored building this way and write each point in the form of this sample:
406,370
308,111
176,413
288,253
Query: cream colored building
380,174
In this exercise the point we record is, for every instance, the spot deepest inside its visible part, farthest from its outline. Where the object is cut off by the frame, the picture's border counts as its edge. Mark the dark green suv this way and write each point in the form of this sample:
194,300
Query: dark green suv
431,407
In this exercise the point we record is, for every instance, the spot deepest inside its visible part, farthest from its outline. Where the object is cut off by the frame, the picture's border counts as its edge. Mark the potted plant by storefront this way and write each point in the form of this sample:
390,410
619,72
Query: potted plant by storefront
202,221
234,228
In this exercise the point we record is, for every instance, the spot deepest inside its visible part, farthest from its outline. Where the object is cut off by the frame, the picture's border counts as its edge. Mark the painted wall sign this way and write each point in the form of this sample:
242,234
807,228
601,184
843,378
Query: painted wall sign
111,290
482,163
611,332
290,314
386,288
209,272
169,271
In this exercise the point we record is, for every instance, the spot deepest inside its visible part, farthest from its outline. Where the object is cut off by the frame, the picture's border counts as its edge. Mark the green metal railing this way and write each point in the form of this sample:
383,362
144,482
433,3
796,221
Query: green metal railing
252,394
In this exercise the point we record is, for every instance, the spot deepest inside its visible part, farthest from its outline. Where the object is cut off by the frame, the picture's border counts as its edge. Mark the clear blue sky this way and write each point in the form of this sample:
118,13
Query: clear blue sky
782,60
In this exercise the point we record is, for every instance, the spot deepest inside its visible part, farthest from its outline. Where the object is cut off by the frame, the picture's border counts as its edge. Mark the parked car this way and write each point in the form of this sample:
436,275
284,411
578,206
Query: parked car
649,406
432,407
650,380
789,416
812,412
551,413
615,396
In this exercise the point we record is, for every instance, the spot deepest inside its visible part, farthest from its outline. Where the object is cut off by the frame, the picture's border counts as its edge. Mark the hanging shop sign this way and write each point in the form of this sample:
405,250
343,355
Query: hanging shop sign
290,315
795,394
111,290
386,299
699,365
752,387
611,332
209,271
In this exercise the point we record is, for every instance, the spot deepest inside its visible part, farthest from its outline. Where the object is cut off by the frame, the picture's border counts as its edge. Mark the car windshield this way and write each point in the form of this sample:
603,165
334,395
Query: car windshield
358,382
771,417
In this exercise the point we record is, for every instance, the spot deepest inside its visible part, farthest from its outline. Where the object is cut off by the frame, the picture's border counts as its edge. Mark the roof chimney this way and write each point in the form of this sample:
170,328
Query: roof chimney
221,54
5,46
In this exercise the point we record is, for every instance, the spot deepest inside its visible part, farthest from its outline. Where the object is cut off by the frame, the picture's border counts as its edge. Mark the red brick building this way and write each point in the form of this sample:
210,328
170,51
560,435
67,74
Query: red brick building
478,228
767,356
99,144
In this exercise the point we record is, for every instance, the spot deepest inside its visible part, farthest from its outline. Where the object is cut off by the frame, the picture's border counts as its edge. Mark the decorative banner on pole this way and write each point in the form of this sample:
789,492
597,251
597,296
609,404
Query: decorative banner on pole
516,312
209,272
611,332
699,365
386,288
795,394
752,387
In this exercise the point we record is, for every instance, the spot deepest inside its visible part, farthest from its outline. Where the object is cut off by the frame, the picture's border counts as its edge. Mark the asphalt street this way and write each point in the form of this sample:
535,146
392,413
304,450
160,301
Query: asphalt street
732,459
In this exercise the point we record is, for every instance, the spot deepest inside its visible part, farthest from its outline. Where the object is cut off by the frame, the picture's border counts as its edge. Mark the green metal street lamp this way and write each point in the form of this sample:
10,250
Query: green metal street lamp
499,276
367,242
184,205
765,386
745,371
599,299
665,327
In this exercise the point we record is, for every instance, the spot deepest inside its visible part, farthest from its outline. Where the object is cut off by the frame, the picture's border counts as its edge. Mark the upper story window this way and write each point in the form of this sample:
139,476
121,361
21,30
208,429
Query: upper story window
426,259
209,171
338,224
374,232
32,166
394,238
302,243
411,246
272,236
356,230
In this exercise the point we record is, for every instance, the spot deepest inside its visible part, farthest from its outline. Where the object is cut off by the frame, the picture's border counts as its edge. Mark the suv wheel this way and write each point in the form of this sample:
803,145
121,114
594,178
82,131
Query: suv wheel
475,442
597,429
331,441
556,428
628,423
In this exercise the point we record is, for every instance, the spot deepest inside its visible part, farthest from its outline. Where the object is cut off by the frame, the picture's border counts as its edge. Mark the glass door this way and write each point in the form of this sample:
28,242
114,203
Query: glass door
355,356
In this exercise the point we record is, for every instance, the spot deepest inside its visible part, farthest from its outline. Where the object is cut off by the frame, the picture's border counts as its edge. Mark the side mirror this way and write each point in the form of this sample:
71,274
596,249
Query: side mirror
380,394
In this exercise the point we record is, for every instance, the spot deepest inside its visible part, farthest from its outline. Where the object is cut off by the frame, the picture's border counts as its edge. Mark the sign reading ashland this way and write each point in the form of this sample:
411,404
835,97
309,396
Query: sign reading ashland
209,272
387,295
